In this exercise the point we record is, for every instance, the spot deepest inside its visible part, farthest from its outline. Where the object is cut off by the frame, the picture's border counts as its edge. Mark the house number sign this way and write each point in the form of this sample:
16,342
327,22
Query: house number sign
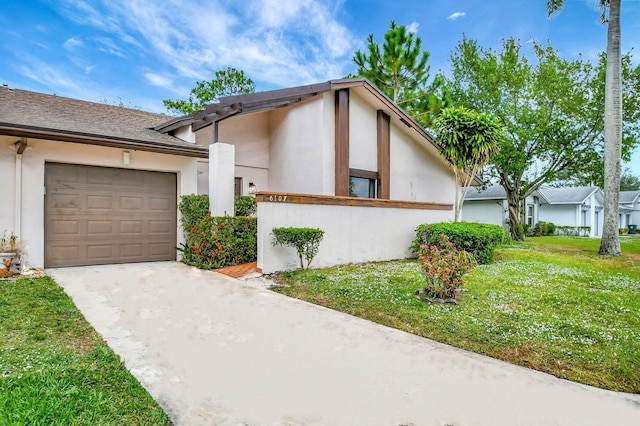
278,198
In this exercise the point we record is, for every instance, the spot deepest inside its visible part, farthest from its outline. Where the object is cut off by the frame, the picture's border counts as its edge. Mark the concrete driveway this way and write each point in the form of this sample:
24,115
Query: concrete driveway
214,350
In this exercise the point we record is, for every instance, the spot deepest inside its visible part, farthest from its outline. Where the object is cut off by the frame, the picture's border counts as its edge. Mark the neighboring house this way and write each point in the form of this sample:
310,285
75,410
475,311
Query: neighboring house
89,183
338,155
572,206
629,208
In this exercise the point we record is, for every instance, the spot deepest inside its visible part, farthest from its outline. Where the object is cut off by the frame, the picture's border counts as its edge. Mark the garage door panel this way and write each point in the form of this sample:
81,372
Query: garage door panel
96,215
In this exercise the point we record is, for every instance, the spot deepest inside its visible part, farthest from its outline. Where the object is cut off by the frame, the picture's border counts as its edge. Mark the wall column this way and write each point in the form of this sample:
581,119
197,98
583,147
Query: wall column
221,179
342,142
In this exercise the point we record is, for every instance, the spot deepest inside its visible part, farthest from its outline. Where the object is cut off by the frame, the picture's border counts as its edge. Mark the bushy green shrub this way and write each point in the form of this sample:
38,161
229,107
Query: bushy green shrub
543,229
305,240
623,231
245,205
215,242
479,239
443,266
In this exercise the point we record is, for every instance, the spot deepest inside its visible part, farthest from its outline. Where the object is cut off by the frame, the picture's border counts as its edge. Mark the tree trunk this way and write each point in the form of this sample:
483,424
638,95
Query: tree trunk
513,202
610,243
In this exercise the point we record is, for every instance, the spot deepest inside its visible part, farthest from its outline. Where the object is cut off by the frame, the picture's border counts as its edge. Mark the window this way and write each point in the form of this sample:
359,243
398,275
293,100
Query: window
530,214
363,183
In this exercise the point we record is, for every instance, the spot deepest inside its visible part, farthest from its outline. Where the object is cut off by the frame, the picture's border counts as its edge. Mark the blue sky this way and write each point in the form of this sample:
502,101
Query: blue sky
143,51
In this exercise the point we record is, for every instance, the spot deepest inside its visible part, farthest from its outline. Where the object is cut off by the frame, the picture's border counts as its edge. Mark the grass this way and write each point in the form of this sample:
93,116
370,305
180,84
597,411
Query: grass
551,304
56,370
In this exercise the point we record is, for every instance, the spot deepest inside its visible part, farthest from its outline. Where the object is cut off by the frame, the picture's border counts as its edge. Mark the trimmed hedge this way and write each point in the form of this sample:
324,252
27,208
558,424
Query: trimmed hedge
245,205
306,241
573,231
479,239
216,242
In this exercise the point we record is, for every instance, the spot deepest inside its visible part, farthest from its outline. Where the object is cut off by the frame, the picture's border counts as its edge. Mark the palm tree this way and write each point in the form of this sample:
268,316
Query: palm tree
610,243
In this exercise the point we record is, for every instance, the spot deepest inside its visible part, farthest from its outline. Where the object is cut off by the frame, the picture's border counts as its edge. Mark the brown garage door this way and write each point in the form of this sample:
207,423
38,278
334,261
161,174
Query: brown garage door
99,215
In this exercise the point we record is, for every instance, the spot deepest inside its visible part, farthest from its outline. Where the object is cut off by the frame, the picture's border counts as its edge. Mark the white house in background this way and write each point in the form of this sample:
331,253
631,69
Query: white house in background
89,183
629,208
338,155
573,206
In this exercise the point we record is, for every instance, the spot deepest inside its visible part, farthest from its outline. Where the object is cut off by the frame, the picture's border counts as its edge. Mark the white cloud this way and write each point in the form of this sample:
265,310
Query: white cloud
72,43
88,69
158,80
280,42
456,15
413,27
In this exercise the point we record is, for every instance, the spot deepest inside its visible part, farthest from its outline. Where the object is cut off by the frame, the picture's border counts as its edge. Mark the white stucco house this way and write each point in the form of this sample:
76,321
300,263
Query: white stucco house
89,183
339,156
571,206
629,208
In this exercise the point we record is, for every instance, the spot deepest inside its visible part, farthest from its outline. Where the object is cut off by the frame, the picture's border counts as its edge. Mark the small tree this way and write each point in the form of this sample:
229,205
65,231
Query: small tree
228,82
305,240
467,140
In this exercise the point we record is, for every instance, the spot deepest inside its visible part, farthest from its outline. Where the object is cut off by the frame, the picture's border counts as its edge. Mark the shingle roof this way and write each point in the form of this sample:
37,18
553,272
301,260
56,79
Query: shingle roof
495,192
629,197
32,114
568,195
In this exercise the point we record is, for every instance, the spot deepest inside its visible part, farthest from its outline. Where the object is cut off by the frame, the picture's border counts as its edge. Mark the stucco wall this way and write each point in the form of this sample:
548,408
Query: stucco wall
560,215
7,184
416,174
363,135
352,234
33,181
297,148
635,216
485,211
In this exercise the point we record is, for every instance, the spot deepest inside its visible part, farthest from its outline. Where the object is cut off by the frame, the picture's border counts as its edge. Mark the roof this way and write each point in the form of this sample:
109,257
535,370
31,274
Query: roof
495,192
629,197
550,195
43,116
568,195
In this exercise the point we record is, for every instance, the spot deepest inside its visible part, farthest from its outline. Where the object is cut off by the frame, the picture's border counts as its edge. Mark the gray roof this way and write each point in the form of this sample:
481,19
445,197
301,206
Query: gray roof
495,192
629,197
567,195
39,115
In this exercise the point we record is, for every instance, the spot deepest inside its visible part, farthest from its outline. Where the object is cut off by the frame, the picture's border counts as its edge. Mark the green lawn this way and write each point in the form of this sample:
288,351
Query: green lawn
549,304
56,370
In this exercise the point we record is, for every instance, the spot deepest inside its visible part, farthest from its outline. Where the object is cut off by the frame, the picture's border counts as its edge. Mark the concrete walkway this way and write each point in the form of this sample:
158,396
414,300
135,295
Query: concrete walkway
213,350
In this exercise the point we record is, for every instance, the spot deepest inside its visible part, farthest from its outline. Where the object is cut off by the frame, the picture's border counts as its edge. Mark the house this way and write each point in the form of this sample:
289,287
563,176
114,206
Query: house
571,206
629,208
338,155
89,183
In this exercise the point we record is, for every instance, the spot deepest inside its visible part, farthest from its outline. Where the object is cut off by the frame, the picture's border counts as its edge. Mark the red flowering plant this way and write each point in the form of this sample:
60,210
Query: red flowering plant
443,266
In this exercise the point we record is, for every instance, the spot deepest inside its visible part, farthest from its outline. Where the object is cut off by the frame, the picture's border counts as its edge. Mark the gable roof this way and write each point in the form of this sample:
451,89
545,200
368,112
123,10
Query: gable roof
43,116
568,195
264,101
495,192
629,197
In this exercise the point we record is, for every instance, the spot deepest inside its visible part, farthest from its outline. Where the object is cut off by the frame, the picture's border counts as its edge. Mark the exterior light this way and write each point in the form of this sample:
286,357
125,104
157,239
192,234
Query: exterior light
252,188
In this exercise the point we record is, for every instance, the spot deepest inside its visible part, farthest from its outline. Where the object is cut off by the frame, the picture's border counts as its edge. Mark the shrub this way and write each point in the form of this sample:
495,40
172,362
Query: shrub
219,241
443,266
245,205
194,208
623,231
305,240
543,229
573,231
215,242
479,239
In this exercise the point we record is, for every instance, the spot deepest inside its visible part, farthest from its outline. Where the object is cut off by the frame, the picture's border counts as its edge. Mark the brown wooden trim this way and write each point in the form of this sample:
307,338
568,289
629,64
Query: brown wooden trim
76,137
342,142
363,174
383,130
328,200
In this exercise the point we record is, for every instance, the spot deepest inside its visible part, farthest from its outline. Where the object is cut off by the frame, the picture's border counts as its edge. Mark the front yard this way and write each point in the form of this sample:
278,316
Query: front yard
550,304
56,370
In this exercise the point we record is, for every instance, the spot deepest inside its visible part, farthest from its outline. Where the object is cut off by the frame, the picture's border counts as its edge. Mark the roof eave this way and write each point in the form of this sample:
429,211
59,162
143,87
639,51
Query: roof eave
102,140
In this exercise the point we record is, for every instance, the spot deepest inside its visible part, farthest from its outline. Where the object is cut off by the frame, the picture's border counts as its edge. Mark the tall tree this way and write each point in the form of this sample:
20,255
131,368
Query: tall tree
610,243
629,181
399,68
467,139
227,82
552,111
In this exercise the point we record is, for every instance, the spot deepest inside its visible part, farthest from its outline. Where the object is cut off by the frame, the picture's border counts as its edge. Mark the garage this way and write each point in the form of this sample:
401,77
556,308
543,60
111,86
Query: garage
102,215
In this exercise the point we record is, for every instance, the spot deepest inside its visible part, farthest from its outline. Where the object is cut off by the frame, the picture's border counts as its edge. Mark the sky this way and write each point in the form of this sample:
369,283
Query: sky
139,52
